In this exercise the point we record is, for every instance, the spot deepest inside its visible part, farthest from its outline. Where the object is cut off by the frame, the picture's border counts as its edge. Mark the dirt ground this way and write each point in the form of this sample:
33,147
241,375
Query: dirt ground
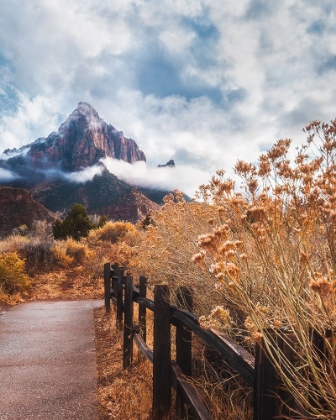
66,284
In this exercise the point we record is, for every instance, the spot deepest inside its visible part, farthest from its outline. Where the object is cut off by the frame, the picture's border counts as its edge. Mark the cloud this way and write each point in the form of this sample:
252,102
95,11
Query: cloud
33,118
205,82
79,177
185,178
84,175
10,153
6,176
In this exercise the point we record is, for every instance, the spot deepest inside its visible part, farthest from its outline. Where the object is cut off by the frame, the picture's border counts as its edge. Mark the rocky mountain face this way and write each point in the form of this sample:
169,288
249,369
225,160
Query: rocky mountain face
17,207
169,164
81,141
105,194
45,168
132,206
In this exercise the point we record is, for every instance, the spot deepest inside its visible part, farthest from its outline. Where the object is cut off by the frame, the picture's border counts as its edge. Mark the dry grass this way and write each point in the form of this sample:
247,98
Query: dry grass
66,284
258,258
128,393
113,232
122,394
261,257
55,268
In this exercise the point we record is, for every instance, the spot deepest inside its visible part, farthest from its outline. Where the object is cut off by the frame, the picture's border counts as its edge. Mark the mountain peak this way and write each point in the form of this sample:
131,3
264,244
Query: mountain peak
81,141
84,108
84,113
85,105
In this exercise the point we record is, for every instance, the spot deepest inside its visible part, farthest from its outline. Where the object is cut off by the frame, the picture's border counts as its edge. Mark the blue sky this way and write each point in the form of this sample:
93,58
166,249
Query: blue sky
204,82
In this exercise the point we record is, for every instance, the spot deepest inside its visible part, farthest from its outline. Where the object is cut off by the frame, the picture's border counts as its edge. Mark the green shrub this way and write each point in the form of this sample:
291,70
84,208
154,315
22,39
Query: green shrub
76,224
12,273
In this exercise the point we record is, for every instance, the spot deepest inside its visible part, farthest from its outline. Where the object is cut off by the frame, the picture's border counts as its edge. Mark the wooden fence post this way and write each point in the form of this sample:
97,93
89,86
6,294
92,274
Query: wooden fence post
114,281
183,347
120,274
128,323
107,286
271,400
142,311
161,356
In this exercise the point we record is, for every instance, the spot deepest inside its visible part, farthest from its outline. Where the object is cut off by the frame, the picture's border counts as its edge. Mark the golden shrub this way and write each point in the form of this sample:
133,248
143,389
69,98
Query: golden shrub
114,231
63,260
13,278
76,250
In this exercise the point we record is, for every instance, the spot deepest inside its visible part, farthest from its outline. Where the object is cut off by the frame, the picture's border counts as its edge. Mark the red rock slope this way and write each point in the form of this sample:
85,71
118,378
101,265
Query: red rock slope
17,207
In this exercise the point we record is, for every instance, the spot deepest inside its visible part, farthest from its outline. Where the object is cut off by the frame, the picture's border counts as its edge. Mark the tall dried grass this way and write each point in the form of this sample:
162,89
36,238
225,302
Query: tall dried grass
262,258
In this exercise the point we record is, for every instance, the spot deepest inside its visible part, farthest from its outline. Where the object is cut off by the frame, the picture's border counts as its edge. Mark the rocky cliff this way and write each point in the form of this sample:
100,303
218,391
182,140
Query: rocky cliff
81,141
17,207
105,194
170,164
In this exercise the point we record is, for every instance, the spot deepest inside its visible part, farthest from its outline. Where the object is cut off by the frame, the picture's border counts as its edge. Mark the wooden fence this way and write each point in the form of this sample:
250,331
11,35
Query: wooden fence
271,401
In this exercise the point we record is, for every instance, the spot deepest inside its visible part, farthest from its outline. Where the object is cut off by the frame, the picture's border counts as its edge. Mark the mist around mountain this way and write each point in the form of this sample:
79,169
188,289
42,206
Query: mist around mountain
73,165
80,142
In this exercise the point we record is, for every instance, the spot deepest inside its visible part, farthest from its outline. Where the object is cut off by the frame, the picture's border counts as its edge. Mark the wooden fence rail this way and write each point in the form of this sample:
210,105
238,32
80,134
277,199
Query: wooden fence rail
271,401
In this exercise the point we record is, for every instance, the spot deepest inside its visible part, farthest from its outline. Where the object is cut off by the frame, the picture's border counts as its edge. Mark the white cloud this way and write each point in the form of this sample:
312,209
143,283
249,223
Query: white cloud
84,175
185,178
13,153
6,175
204,82
34,118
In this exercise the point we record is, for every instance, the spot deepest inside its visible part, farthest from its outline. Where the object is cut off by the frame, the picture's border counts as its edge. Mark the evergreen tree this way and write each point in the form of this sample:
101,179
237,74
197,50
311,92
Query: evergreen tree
76,224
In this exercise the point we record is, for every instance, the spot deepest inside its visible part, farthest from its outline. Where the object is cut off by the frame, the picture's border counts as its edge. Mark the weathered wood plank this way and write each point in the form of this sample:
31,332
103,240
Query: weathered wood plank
142,308
161,356
145,350
266,383
128,324
149,304
120,274
271,398
183,348
142,312
107,285
240,359
190,393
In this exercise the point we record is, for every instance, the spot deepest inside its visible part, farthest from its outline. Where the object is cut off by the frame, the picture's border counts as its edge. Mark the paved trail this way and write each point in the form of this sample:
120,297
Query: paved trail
47,361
